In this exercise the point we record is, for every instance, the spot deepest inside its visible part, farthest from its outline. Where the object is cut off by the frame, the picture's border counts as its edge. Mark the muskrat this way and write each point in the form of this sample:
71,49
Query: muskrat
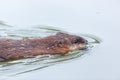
61,43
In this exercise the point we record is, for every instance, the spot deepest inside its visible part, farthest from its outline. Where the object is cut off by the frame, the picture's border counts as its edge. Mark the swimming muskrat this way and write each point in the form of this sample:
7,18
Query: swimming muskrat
61,43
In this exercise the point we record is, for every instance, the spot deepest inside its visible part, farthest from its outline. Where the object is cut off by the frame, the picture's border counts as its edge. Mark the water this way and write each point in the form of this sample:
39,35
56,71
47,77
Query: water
97,17
17,67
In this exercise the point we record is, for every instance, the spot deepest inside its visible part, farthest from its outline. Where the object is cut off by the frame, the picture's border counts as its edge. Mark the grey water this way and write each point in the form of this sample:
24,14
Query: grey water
97,17
17,67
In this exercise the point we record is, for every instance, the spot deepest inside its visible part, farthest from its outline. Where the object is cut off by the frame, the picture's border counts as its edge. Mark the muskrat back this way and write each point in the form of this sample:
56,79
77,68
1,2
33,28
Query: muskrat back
61,43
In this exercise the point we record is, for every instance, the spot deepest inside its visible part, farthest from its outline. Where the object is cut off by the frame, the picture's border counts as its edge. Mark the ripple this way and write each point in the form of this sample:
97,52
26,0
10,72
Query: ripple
17,67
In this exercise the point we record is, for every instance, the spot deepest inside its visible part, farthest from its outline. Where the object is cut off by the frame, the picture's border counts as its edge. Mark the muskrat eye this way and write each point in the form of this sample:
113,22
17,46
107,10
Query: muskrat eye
76,41
79,40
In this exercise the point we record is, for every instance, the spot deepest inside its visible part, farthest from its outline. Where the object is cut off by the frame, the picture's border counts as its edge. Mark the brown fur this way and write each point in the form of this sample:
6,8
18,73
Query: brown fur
17,49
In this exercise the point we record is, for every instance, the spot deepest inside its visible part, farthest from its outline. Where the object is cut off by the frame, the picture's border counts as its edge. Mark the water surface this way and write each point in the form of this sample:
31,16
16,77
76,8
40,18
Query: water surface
13,68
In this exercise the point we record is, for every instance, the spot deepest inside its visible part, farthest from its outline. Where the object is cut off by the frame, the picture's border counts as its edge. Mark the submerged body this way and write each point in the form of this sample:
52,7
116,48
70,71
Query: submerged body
61,43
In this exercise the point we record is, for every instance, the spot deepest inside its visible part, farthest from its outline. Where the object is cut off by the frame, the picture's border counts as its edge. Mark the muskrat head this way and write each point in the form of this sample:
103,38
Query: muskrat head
74,42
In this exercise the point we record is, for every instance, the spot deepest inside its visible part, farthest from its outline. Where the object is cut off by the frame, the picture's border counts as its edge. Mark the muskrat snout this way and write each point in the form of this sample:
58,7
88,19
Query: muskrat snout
73,39
75,42
78,43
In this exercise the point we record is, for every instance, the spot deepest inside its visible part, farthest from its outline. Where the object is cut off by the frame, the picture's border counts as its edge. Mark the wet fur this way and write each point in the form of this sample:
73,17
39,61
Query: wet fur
58,44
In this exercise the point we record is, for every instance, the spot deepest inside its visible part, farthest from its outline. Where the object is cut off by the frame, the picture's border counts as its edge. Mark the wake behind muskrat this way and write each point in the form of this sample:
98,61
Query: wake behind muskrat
61,43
